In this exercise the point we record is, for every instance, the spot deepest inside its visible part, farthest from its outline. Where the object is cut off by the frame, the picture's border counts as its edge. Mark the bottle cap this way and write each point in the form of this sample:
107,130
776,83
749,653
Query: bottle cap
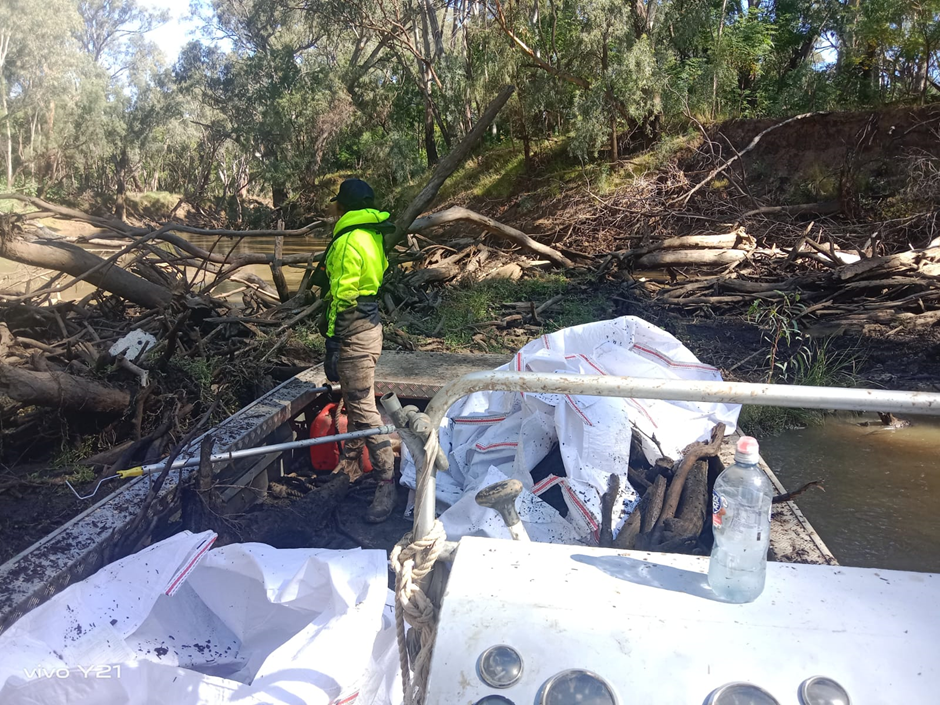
747,451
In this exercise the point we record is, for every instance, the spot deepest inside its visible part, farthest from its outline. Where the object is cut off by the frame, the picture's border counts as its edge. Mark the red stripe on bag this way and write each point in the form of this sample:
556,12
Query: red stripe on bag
580,413
506,444
189,566
672,363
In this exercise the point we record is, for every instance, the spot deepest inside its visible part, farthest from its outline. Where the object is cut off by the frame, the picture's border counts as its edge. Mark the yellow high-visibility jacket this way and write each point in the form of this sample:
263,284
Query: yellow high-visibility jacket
355,265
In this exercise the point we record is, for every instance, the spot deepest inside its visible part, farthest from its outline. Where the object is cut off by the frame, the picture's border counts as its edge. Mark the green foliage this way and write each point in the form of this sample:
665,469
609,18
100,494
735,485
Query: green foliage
795,358
199,371
80,474
70,455
307,335
259,124
464,308
777,320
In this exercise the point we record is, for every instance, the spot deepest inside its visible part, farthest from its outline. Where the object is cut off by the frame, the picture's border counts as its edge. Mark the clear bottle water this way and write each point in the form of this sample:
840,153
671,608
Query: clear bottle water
741,506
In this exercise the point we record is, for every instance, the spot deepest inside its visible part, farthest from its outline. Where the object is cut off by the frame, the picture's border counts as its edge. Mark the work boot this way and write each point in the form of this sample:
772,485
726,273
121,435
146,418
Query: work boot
350,467
383,503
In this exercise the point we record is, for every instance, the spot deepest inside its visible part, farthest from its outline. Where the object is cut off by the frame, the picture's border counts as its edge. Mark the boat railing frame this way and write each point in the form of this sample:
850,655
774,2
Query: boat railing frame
784,395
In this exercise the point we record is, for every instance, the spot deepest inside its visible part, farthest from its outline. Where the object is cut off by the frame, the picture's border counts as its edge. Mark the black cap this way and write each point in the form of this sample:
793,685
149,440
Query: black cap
355,193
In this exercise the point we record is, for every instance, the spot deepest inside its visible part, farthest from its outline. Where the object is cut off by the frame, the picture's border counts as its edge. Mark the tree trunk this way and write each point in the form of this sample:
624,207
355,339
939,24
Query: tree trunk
6,114
120,205
71,259
447,167
61,391
430,147
277,274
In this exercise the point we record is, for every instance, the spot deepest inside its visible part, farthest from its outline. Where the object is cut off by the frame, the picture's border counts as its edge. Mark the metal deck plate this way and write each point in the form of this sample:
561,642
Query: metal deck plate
649,625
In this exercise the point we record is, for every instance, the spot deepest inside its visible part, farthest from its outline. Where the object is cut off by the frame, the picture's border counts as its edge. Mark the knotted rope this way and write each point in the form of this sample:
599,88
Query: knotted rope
412,562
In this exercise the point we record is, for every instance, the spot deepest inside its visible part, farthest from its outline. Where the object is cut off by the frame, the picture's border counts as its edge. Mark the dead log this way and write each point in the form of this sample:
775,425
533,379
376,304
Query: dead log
626,539
693,505
860,322
72,259
651,511
448,166
696,452
686,258
643,515
820,208
511,271
457,213
61,390
736,239
926,262
608,500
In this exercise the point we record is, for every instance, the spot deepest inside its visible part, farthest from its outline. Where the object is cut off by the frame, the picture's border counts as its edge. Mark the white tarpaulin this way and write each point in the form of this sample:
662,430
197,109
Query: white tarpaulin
180,623
509,433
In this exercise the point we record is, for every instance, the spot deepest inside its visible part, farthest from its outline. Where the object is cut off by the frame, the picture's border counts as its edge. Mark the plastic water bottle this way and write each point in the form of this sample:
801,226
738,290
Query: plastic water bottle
741,506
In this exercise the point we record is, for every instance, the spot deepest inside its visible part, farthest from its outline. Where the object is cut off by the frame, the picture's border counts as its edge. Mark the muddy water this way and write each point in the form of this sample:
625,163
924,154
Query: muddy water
881,507
264,245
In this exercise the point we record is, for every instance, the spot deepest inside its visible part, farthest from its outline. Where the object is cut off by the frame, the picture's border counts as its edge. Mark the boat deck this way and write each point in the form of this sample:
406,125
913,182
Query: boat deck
76,549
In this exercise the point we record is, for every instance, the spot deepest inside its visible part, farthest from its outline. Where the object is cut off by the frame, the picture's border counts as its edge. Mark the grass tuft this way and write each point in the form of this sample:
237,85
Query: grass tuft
817,365
464,308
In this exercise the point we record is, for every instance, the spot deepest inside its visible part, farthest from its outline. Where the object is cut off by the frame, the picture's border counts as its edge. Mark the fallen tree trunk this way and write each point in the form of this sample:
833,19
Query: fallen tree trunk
71,259
61,390
926,262
458,213
448,166
736,239
700,258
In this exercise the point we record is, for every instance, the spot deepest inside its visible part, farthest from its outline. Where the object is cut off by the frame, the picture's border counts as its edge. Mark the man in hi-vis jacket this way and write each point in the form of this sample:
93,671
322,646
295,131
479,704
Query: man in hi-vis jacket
355,266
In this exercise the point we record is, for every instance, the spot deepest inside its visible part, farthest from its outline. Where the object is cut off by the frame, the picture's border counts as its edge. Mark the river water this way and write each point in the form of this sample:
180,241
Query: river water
881,507
263,245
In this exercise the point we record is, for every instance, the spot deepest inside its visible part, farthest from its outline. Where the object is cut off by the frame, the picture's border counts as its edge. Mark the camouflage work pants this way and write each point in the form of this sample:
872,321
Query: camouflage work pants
356,366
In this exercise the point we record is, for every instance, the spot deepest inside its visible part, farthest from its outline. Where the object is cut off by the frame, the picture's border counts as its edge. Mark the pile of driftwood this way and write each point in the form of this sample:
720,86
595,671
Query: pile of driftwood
842,290
673,515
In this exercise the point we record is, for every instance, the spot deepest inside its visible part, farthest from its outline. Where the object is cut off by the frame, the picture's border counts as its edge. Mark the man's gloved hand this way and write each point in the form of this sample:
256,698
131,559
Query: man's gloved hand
330,364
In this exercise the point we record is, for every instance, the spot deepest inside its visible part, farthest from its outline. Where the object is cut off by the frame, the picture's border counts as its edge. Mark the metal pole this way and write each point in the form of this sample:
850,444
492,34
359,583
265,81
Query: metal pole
230,455
836,398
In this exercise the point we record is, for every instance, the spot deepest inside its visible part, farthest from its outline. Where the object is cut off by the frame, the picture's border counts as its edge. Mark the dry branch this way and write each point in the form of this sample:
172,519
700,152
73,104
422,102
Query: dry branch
457,213
753,143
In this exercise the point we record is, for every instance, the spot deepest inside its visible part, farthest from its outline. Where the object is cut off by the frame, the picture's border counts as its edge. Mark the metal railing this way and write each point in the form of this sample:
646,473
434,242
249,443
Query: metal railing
829,398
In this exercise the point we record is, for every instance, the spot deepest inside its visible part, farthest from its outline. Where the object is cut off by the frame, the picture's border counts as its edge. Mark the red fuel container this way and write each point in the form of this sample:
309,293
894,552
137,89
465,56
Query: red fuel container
325,457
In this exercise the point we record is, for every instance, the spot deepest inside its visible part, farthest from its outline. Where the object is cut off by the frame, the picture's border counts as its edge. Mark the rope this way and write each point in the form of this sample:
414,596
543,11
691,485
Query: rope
412,562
